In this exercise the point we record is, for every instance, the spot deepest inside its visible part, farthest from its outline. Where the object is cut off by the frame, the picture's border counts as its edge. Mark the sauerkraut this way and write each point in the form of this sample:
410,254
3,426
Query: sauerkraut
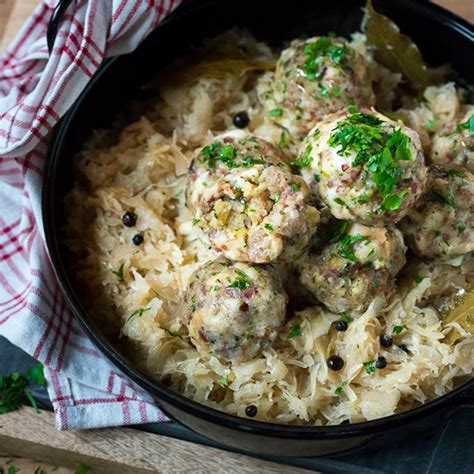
135,291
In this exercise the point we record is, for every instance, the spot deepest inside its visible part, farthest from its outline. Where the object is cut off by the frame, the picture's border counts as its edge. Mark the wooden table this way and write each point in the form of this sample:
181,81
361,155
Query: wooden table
123,450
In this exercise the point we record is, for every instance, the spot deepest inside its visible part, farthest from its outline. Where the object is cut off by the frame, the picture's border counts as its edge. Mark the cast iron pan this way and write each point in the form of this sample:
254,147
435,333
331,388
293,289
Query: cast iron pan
441,36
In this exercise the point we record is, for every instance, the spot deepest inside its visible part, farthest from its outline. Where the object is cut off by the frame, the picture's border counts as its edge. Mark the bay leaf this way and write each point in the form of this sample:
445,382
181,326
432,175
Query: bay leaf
214,69
463,314
395,50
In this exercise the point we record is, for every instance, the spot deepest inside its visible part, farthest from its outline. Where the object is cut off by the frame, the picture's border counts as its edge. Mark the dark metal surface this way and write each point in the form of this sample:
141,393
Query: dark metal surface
105,95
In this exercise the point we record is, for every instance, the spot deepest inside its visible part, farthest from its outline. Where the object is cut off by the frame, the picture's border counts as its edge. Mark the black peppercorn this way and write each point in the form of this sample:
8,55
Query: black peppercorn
137,239
241,120
404,348
341,325
386,340
129,219
381,362
251,411
335,362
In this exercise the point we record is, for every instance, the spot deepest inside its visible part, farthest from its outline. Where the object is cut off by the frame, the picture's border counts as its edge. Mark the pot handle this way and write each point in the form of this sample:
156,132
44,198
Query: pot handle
54,22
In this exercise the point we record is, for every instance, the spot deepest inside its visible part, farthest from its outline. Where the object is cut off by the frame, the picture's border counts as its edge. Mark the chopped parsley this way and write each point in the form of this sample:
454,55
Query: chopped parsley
339,389
369,367
324,92
340,202
295,187
13,388
446,199
224,381
430,123
82,469
268,226
228,155
138,312
336,91
248,161
397,329
418,278
282,142
294,331
36,375
378,150
467,125
461,228
318,52
119,273
241,283
345,317
275,113
196,221
192,307
173,333
305,159
346,242
218,152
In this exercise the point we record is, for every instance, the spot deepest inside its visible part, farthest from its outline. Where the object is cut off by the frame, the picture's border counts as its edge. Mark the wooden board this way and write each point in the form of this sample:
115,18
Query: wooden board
120,450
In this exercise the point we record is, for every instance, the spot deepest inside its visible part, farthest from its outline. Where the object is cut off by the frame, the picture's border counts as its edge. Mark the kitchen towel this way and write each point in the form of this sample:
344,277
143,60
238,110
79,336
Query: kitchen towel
36,89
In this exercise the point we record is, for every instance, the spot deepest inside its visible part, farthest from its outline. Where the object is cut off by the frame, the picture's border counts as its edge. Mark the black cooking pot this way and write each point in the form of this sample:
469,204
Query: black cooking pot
441,36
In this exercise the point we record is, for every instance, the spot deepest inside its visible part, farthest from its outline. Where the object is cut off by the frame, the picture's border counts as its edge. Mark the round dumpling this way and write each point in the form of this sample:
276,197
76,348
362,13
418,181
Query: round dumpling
442,223
234,310
248,203
454,146
359,263
363,166
313,78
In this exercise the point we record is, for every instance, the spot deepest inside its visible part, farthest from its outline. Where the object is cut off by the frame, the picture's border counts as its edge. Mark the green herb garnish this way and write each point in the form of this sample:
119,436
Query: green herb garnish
173,333
268,226
248,161
305,159
369,366
398,329
282,141
36,375
119,273
224,381
13,388
446,199
294,331
294,187
275,113
317,54
196,221
138,312
346,242
218,152
418,278
241,283
467,125
339,389
379,151
345,317
82,469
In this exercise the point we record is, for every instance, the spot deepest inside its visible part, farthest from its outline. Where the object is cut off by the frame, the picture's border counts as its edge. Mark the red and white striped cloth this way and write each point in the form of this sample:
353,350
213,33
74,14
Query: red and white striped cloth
36,89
